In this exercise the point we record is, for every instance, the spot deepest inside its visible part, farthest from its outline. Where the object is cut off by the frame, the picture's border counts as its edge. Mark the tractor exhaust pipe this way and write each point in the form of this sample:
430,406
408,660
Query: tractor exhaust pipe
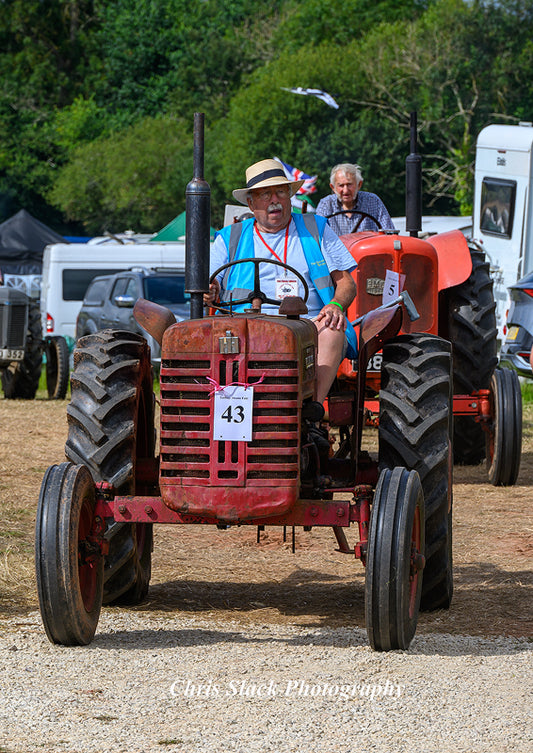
413,184
197,225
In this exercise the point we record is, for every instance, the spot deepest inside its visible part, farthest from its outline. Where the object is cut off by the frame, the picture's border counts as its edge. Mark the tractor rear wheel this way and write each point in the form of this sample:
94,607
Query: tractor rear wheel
110,428
504,442
394,561
69,566
415,432
21,379
57,367
470,324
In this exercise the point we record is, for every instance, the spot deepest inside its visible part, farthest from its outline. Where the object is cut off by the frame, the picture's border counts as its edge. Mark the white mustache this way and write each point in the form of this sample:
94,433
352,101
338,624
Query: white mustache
275,207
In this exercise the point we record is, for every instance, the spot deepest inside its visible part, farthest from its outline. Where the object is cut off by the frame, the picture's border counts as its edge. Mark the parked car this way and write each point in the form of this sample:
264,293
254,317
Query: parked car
109,301
516,350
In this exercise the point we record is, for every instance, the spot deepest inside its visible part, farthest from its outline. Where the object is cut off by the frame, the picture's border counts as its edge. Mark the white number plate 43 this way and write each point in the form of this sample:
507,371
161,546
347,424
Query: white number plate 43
11,354
233,411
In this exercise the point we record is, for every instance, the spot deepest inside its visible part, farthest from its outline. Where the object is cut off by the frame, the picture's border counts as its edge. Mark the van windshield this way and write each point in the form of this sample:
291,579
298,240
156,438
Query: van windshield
165,290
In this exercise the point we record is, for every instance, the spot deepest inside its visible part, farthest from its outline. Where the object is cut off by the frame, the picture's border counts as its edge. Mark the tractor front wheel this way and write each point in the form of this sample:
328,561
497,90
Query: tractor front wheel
504,441
68,562
393,584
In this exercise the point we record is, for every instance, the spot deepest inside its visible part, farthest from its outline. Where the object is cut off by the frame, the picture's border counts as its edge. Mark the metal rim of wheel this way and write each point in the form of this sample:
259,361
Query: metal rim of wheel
111,426
393,584
57,367
415,432
69,568
504,440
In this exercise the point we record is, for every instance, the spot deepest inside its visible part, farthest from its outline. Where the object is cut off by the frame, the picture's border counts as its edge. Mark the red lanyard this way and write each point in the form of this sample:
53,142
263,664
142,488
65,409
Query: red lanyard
271,249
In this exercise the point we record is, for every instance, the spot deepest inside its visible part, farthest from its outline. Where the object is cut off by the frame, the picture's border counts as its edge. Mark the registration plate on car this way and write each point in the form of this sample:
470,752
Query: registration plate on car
513,333
11,354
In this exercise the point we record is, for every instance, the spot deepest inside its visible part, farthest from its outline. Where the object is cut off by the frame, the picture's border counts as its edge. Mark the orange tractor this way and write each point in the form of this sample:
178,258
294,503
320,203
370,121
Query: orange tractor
242,440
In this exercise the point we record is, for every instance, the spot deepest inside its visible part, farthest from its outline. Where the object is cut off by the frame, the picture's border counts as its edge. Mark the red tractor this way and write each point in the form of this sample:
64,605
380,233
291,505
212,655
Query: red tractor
449,281
242,439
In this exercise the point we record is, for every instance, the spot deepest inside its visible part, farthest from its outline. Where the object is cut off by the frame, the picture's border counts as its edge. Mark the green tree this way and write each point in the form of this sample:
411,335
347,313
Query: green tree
453,67
45,47
135,178
304,131
312,22
82,82
174,54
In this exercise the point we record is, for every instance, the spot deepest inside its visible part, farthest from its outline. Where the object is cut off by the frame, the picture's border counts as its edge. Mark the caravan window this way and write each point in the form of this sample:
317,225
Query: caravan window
76,281
497,206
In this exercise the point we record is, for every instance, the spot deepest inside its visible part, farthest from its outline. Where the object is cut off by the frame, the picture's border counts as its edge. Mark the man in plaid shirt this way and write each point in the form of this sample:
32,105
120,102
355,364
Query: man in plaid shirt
345,182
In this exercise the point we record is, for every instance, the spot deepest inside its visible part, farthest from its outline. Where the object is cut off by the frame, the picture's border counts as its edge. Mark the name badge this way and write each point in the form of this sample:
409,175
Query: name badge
286,286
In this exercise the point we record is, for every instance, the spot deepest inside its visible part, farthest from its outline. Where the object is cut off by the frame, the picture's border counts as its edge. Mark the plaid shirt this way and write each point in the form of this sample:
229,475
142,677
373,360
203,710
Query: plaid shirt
364,202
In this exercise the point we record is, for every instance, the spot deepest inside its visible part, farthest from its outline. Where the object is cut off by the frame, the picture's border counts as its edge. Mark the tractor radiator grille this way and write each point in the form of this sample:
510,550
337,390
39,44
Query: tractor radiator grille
12,326
190,456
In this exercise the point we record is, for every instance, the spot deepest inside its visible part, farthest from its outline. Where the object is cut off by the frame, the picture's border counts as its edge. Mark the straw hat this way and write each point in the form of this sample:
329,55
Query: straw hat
266,173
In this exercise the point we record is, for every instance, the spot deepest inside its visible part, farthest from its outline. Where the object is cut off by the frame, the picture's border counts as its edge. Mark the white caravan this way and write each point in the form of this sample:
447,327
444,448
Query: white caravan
503,211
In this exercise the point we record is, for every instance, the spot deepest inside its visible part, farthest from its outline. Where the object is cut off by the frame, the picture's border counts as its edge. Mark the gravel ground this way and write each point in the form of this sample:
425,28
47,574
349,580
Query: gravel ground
246,647
155,682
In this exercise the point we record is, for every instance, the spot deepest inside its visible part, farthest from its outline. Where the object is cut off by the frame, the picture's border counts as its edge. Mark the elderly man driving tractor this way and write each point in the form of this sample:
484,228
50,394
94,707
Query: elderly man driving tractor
305,252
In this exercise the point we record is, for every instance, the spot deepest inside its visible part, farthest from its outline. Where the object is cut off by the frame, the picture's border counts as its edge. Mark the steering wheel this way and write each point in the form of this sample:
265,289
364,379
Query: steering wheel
359,221
257,292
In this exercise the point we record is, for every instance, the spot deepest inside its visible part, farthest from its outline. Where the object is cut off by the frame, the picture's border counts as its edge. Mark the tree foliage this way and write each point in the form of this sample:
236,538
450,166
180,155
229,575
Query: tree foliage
134,178
97,98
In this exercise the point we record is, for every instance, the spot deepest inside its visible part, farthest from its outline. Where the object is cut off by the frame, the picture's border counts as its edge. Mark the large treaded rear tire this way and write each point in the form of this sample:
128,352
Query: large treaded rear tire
21,380
415,432
470,324
111,426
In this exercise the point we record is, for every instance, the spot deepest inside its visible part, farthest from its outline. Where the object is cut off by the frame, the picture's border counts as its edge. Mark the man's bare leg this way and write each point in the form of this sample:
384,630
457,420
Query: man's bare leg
330,351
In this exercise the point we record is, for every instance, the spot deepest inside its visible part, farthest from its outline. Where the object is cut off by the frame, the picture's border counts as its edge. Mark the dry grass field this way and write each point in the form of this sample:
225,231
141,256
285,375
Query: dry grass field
204,571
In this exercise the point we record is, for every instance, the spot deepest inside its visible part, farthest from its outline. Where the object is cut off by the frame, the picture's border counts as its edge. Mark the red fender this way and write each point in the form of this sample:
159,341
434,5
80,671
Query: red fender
455,262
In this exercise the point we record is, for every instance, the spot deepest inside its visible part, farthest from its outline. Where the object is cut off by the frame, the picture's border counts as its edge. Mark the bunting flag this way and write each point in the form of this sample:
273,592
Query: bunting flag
294,174
324,96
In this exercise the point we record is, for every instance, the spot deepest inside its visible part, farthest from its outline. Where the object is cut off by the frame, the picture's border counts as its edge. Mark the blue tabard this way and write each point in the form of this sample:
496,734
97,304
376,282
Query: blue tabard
310,228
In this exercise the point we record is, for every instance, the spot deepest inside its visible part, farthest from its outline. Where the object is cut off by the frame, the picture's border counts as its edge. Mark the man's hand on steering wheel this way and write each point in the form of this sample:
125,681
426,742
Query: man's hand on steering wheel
214,293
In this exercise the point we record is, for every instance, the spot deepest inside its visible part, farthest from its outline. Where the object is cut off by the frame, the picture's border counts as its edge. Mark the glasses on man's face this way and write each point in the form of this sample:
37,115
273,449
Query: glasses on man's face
268,193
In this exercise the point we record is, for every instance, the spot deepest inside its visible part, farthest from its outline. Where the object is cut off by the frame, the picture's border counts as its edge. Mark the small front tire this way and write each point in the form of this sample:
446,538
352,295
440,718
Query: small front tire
393,584
69,567
504,441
